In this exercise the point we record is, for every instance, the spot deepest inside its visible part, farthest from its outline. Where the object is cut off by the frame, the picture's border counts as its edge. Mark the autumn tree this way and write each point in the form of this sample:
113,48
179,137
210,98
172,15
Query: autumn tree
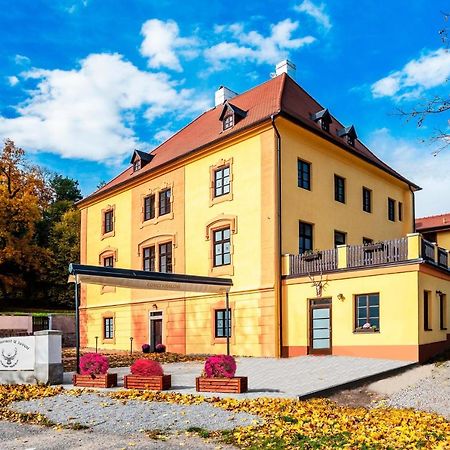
24,195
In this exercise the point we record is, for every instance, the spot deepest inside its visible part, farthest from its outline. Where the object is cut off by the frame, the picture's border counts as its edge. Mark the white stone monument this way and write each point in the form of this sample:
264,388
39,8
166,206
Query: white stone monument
32,359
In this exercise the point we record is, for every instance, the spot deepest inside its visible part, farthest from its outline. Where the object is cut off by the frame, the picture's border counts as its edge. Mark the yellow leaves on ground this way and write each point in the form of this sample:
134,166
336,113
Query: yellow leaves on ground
319,423
15,393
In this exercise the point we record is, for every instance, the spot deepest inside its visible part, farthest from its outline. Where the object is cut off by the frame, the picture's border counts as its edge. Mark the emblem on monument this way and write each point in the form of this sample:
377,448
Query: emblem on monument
9,359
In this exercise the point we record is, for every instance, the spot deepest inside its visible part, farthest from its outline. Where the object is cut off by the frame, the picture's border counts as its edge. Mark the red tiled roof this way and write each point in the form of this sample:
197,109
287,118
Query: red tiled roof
433,222
280,95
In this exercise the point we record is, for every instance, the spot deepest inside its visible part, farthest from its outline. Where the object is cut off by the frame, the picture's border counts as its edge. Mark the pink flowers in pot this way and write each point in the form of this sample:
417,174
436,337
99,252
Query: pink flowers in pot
147,368
220,366
93,364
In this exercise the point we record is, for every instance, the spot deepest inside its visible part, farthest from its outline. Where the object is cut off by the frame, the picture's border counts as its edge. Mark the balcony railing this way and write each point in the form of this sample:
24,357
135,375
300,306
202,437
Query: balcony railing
410,248
377,254
325,261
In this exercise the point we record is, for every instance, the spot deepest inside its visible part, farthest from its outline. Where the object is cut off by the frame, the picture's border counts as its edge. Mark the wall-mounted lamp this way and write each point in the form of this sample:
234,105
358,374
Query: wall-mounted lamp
341,297
155,306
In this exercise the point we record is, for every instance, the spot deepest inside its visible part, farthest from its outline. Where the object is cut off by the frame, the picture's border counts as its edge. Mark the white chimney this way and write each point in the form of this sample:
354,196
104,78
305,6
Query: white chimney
222,94
286,66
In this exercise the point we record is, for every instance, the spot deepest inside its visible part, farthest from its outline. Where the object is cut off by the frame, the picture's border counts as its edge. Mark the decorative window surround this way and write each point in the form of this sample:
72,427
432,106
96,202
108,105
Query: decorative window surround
220,222
212,170
155,191
156,241
220,304
111,233
105,315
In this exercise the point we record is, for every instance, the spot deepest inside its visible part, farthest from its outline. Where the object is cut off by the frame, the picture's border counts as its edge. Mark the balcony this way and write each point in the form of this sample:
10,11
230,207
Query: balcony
413,247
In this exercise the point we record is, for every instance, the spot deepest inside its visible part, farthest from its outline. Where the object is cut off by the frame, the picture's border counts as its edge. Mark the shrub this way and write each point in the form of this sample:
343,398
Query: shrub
160,348
146,368
93,364
220,366
145,348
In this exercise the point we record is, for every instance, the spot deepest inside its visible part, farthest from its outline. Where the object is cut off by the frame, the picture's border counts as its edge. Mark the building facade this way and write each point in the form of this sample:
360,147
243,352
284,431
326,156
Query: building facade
263,174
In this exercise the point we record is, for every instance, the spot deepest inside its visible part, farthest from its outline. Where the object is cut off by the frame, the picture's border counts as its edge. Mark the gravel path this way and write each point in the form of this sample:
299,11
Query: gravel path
33,437
131,416
431,393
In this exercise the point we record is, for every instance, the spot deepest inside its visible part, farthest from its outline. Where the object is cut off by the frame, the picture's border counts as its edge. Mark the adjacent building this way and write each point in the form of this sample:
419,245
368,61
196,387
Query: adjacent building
269,189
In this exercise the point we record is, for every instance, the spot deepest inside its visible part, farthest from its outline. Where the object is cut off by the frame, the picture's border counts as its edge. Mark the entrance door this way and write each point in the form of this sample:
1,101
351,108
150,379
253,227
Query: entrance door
155,329
320,327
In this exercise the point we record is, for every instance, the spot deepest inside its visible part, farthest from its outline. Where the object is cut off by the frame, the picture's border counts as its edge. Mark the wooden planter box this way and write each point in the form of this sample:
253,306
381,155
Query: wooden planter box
101,381
235,385
156,383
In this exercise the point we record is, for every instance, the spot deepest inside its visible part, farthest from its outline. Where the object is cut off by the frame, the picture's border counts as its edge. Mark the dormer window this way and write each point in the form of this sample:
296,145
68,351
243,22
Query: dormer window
228,122
230,115
140,159
349,134
325,125
323,118
350,140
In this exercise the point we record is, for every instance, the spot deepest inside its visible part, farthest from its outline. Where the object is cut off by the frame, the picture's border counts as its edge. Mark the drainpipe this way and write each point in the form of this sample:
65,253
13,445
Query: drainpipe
280,287
414,210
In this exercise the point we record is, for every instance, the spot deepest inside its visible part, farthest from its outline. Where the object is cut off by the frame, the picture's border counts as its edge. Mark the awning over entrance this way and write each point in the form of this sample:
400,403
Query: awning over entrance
141,279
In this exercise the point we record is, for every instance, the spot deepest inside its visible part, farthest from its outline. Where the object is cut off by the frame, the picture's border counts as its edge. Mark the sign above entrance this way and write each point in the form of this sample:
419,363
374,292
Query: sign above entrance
140,279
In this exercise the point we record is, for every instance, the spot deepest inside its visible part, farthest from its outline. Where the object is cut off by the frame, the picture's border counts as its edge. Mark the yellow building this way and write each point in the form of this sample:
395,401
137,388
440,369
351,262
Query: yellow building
263,174
435,229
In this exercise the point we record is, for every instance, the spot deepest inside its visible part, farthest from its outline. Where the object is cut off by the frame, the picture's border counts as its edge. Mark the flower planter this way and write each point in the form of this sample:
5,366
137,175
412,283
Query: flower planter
311,256
235,385
154,383
102,381
373,247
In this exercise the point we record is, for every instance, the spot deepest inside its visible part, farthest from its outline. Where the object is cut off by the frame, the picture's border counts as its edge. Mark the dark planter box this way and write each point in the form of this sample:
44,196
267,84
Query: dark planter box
102,381
373,247
155,383
312,256
235,385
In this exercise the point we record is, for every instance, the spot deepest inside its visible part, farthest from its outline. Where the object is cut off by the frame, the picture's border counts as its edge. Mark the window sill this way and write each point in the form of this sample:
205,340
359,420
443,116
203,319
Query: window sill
366,331
109,234
108,340
443,329
221,198
428,329
222,270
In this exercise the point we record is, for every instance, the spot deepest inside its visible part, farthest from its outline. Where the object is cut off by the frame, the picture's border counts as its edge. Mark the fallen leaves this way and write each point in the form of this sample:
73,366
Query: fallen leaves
125,359
318,423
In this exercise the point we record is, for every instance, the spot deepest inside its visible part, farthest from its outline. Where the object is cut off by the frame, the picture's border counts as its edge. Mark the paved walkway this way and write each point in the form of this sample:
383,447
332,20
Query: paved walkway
270,377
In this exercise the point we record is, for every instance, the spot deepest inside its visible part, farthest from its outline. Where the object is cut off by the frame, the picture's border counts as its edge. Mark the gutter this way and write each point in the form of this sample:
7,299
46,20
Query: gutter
279,260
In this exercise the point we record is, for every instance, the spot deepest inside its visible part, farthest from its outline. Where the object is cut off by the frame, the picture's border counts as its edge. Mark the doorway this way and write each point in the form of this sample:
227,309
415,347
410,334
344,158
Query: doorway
155,329
320,326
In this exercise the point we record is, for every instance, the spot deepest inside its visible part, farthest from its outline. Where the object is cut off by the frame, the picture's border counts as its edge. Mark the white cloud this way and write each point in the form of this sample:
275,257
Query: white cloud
163,135
317,12
253,46
430,70
89,112
415,161
13,80
162,44
21,60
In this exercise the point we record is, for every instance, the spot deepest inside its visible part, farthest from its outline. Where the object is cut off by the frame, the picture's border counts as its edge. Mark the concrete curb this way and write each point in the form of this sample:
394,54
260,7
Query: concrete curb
356,382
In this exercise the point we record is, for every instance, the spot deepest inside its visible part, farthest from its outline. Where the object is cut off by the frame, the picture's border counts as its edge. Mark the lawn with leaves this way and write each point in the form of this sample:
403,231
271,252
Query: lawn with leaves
125,359
319,424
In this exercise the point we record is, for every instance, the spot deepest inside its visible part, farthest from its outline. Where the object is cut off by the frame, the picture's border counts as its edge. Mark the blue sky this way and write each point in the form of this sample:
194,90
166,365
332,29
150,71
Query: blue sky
84,82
